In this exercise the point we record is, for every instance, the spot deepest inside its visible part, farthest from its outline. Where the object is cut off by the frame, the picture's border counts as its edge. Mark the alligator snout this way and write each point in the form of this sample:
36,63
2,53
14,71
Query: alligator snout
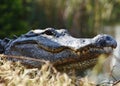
104,40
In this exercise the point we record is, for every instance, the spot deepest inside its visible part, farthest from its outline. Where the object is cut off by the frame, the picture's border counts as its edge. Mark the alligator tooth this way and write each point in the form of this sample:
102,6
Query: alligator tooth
105,48
110,48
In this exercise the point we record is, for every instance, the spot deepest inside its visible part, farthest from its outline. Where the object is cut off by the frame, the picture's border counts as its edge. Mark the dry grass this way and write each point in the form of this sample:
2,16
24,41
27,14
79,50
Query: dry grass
16,74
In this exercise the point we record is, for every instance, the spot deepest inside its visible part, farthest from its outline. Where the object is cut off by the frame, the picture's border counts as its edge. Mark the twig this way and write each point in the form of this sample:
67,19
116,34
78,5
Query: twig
112,73
116,82
23,58
105,83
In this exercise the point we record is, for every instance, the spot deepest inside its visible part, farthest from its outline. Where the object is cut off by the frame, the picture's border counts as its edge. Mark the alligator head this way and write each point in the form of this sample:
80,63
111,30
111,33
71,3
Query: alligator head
60,48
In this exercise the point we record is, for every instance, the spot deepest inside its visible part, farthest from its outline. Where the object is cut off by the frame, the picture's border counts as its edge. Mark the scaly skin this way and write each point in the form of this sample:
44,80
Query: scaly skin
59,47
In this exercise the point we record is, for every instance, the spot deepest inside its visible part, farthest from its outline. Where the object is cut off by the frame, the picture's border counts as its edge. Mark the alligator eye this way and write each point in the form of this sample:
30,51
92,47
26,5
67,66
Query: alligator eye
108,38
49,32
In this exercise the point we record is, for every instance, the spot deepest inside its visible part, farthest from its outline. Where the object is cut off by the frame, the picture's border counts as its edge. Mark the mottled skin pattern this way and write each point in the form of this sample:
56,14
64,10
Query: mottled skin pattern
58,47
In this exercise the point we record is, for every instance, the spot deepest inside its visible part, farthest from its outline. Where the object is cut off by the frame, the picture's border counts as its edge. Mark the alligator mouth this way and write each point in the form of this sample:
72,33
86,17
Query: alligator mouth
86,58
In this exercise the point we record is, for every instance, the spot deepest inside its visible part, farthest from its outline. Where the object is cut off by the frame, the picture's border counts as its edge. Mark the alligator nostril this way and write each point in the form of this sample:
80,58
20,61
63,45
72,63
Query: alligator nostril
83,40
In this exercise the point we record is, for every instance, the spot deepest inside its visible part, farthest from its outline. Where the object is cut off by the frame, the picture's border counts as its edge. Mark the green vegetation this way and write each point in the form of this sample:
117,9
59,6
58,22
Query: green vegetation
82,16
13,17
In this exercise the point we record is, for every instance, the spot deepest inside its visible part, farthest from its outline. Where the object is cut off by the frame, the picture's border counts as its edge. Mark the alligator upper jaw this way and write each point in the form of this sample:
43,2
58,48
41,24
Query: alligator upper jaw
75,44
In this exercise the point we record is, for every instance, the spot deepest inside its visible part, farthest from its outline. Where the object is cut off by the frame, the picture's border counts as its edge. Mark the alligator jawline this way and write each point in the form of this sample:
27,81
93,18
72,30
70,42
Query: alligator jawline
86,60
86,56
89,48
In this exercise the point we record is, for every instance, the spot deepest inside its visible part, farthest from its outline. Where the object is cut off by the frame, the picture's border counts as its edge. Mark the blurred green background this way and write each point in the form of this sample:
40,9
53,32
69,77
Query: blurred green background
83,18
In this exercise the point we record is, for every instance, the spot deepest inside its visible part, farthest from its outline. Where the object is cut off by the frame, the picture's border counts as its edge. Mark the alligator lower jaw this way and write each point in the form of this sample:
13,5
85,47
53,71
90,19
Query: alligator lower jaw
77,65
85,61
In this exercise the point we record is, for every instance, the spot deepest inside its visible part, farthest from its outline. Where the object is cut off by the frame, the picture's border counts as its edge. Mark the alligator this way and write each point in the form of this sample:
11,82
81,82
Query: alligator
59,48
